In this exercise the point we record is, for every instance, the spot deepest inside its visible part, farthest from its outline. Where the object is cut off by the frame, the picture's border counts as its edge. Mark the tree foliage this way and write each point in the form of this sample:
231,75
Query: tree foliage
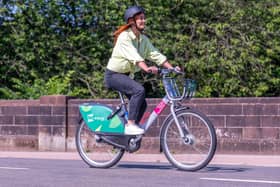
231,47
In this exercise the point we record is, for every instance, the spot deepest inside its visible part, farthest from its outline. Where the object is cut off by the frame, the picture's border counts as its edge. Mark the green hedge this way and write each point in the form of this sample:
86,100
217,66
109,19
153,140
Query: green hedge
231,47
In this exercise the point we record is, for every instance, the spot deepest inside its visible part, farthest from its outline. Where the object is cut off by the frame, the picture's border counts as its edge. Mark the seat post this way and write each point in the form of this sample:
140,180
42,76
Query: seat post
122,98
123,104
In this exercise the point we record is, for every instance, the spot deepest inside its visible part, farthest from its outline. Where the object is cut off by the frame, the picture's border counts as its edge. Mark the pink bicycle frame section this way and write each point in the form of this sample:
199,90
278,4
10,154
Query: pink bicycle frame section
156,112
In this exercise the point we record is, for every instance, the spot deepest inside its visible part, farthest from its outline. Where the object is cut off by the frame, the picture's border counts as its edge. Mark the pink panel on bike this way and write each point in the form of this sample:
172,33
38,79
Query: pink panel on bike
160,107
144,118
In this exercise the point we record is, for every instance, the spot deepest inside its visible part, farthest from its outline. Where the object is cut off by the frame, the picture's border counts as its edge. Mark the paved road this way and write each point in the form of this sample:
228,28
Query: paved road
52,172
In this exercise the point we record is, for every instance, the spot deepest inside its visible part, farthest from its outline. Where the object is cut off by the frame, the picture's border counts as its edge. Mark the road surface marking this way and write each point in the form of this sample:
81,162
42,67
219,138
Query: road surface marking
242,180
13,168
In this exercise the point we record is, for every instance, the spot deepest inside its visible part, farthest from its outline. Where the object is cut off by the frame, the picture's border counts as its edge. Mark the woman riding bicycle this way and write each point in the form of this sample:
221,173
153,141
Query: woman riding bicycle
131,49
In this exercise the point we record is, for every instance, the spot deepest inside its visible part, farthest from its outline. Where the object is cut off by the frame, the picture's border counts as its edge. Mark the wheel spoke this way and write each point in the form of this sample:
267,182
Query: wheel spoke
197,149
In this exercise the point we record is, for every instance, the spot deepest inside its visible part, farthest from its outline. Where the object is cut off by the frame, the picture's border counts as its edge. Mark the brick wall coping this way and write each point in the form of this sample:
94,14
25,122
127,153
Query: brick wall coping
20,102
253,100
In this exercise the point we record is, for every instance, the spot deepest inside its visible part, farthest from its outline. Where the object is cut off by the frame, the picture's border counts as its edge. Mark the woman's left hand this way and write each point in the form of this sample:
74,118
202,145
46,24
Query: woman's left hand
177,68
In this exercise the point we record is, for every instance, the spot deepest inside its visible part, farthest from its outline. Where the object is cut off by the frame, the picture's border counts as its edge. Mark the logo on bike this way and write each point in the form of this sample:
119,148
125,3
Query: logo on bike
86,108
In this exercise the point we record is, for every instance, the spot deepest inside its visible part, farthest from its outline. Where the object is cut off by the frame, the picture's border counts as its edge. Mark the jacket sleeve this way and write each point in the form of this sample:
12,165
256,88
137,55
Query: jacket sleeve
153,54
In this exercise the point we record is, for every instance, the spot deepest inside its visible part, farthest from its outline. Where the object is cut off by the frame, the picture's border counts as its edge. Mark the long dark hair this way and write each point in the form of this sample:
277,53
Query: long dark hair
120,30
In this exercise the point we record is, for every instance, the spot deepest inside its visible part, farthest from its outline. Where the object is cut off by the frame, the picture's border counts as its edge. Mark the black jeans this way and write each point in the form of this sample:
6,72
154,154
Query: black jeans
132,89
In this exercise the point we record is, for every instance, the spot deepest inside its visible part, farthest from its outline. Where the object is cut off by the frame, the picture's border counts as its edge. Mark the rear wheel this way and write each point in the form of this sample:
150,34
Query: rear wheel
198,146
94,151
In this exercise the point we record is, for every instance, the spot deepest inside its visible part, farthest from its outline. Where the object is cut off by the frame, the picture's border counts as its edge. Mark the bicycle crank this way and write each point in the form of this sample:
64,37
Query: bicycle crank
134,144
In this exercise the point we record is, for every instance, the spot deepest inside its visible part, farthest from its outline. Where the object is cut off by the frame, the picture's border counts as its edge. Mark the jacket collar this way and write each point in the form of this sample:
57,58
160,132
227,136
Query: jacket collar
133,36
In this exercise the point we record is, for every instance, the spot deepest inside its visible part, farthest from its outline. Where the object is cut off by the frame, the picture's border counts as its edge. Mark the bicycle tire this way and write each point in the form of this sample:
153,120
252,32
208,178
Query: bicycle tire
182,154
89,148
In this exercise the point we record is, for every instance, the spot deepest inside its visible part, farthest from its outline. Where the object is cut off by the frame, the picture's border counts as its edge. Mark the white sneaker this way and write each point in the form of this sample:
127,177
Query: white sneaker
133,129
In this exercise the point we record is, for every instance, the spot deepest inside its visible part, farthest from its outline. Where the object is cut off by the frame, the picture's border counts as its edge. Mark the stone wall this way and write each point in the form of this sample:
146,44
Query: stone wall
19,123
243,125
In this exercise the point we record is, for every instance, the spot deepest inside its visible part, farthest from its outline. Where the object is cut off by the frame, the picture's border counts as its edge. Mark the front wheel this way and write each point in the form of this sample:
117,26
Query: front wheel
95,152
197,148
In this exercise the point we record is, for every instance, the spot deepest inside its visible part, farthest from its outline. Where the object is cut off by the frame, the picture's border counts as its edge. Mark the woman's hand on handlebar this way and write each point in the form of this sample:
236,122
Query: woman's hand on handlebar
177,69
168,66
152,69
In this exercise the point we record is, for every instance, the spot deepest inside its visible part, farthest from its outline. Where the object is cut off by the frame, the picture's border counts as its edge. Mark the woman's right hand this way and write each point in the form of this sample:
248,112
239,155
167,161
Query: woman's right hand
152,69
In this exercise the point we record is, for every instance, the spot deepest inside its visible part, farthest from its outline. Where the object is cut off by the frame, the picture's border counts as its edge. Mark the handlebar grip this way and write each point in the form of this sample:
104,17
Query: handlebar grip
167,71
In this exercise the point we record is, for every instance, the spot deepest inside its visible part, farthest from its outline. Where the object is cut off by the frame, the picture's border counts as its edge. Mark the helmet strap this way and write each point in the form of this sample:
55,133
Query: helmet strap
140,30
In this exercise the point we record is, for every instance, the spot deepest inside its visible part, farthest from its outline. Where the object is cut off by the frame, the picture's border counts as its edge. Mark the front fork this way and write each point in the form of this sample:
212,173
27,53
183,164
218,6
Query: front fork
184,132
172,109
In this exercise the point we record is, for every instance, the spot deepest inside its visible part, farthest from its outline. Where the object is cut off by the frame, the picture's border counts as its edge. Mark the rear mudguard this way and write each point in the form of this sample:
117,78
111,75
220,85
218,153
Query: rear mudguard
96,118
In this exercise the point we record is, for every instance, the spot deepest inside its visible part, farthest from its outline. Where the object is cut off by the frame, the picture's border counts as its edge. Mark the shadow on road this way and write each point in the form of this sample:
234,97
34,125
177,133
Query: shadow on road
145,166
223,169
208,169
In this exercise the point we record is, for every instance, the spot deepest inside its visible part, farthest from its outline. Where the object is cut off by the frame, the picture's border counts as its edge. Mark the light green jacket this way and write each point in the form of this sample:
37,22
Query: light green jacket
129,50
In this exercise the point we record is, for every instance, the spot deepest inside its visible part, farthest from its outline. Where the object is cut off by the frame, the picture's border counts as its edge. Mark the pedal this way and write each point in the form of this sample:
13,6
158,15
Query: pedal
97,138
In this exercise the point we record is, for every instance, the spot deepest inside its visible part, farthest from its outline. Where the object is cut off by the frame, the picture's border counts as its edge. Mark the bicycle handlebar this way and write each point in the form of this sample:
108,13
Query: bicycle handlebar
166,72
171,87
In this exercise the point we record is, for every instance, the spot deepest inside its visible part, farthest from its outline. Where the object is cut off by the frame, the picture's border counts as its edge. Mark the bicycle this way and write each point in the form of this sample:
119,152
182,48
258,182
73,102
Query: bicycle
187,136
